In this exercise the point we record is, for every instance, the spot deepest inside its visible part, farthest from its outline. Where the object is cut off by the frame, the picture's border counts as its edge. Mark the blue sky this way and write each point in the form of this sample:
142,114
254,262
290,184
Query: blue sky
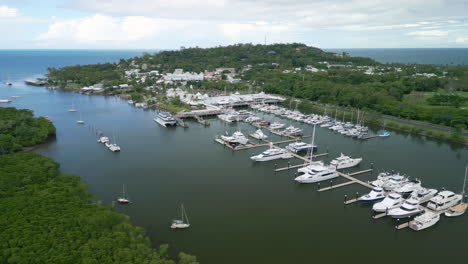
168,24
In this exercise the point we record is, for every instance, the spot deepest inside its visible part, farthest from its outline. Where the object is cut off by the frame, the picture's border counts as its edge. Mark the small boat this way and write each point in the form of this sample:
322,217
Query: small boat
72,109
393,200
292,131
384,134
409,208
424,221
276,126
259,134
377,194
237,138
459,209
4,101
130,102
272,154
394,182
103,140
444,200
80,121
343,162
112,146
123,199
297,147
15,96
165,119
9,83
183,223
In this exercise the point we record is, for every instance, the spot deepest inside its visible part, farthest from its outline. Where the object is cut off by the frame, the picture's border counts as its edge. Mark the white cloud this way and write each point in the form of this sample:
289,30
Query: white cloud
462,40
428,33
99,28
8,12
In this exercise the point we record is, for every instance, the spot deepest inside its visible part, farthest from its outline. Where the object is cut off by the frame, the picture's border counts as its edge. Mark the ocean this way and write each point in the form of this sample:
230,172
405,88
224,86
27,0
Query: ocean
457,56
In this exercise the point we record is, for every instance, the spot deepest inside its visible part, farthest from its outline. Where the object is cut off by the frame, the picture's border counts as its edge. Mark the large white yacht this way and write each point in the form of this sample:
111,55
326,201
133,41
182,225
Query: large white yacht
394,182
165,119
297,147
276,126
343,162
409,187
259,134
292,131
423,195
444,200
409,207
272,154
424,221
376,194
382,178
316,173
103,140
237,138
393,200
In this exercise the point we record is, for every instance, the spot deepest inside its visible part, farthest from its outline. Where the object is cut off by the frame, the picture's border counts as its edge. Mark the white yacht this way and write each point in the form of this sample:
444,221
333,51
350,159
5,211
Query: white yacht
259,134
272,154
124,199
423,195
237,138
103,140
317,173
165,119
113,147
183,222
444,200
424,221
394,182
409,207
393,200
252,119
382,178
343,162
276,126
376,194
292,131
297,147
4,101
81,122
409,187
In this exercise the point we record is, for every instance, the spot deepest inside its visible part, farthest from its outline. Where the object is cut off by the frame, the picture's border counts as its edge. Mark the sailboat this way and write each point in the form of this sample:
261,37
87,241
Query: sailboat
8,82
123,199
459,209
180,224
72,109
81,120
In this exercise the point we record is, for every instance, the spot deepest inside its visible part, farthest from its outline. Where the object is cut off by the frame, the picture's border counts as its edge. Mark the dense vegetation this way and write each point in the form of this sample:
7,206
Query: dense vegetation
19,128
272,68
47,217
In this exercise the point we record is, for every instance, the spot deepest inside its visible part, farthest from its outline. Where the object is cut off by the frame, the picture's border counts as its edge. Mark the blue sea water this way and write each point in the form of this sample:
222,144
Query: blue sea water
458,56
17,65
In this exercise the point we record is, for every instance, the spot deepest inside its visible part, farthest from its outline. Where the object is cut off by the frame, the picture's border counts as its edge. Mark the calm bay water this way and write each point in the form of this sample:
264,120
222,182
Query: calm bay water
240,211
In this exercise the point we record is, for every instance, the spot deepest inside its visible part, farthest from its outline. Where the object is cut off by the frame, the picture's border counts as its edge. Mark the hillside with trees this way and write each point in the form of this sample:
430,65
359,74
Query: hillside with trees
19,129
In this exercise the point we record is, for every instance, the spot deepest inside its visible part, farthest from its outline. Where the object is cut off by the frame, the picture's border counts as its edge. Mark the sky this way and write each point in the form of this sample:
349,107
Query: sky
171,24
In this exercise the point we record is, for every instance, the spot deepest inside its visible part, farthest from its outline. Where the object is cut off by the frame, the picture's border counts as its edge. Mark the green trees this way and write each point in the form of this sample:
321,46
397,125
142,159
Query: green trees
47,217
18,129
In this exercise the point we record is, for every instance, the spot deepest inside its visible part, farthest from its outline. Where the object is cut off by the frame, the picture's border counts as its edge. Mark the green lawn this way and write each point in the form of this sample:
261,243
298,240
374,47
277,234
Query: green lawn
420,97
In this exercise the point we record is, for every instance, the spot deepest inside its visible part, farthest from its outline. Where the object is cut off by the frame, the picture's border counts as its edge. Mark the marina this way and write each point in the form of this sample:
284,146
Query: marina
220,185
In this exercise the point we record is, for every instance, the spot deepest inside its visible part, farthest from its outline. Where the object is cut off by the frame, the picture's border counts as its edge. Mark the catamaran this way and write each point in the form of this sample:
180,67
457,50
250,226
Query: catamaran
124,199
165,119
183,222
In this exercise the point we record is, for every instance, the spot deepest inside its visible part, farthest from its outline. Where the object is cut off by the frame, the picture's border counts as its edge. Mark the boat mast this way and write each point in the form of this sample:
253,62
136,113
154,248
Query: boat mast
464,183
312,149
185,213
123,190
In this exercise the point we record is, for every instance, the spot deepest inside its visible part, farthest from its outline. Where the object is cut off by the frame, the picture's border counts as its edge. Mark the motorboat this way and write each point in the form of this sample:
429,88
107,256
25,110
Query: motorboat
393,200
259,134
272,154
252,119
4,101
317,173
444,200
297,147
461,208
124,199
394,182
409,187
384,134
377,194
343,162
424,221
382,178
113,147
423,195
183,222
103,140
292,131
165,119
237,138
276,126
409,208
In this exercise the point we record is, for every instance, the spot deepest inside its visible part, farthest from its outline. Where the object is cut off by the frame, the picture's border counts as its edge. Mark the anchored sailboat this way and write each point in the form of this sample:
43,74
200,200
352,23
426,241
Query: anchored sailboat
81,120
459,209
72,109
123,199
183,223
